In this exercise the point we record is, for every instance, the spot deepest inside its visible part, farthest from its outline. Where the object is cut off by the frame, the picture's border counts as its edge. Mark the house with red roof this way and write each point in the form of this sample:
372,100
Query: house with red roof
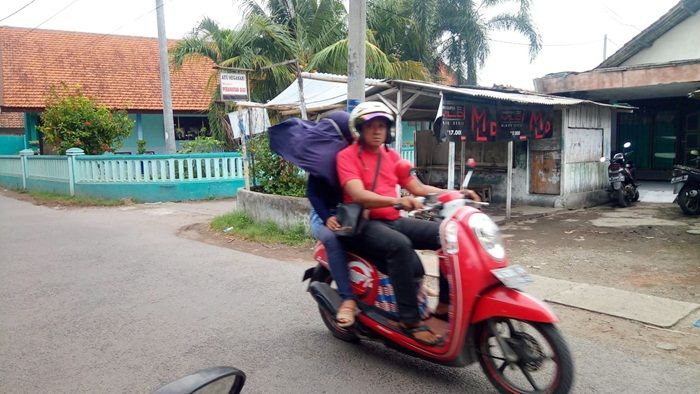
121,72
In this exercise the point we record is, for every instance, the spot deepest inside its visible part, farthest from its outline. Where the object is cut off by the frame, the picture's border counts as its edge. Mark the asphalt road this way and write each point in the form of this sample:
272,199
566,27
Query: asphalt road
111,300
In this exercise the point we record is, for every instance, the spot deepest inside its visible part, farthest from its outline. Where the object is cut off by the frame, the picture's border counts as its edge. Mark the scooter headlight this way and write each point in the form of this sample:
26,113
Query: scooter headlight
488,234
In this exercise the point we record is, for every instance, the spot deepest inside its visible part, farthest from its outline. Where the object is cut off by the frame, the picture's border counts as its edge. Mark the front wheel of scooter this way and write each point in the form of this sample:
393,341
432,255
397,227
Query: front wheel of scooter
322,275
540,362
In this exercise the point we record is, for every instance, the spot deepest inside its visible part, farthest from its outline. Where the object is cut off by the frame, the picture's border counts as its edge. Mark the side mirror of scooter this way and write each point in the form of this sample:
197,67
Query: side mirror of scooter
215,380
471,163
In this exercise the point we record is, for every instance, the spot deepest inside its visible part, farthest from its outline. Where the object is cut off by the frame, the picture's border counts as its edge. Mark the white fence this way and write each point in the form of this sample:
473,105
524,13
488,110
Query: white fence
162,168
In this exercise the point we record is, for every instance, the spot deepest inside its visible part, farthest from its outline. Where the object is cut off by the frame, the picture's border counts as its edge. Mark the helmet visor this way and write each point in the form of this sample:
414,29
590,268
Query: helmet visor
377,115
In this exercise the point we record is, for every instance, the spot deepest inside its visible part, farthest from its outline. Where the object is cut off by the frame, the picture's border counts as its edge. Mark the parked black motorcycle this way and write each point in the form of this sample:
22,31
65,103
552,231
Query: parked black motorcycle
621,173
686,183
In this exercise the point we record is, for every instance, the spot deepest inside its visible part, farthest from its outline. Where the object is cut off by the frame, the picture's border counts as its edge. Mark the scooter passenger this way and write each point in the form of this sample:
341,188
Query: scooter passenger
324,198
388,238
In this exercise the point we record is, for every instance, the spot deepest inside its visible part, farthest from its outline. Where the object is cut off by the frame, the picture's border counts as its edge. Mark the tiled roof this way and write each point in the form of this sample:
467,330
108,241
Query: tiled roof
11,120
117,71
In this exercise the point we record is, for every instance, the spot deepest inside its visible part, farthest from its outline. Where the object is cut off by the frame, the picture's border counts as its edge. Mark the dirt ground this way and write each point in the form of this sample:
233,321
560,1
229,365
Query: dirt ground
644,248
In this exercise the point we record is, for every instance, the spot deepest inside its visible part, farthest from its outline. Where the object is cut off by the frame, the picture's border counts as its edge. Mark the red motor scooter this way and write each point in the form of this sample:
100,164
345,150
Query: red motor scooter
510,333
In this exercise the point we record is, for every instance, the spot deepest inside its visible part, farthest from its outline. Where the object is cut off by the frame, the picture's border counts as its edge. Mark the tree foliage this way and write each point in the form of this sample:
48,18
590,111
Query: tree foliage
73,120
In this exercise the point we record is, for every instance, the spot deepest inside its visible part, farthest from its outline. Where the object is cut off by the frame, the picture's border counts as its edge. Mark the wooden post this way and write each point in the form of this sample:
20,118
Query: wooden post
399,125
462,156
244,149
510,179
451,166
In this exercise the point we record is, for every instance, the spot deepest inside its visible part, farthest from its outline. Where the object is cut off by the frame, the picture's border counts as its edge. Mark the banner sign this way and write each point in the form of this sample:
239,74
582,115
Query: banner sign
234,87
486,122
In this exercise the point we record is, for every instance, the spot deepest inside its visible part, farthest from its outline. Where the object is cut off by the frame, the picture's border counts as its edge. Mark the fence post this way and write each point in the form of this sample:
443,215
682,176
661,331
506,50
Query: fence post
23,160
72,153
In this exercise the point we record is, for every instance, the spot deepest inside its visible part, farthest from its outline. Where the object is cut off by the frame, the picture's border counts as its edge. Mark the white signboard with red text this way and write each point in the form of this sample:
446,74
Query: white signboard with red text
234,87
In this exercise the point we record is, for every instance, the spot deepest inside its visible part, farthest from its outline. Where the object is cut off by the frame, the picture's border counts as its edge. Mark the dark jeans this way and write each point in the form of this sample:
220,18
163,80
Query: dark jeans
390,245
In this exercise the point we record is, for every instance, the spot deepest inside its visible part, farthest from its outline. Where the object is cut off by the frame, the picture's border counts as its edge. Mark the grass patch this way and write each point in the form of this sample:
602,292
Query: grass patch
245,227
62,199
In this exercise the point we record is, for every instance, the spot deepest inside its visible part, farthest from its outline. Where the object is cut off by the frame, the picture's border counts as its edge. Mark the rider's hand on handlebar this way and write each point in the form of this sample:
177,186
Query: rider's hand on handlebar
409,203
471,194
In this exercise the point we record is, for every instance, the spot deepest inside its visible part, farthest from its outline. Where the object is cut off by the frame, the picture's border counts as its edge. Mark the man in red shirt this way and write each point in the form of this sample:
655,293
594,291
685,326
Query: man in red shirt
387,238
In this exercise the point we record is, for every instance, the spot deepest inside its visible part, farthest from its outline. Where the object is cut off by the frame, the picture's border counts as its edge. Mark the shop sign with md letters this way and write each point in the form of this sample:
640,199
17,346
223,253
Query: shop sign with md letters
486,122
234,87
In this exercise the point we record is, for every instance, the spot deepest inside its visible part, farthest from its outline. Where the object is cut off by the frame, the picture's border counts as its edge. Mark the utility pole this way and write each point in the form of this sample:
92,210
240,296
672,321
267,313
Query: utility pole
605,47
170,146
357,33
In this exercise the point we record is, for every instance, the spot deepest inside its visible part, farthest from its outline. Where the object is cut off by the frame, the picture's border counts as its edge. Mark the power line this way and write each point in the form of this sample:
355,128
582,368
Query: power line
617,18
100,37
21,8
54,15
571,44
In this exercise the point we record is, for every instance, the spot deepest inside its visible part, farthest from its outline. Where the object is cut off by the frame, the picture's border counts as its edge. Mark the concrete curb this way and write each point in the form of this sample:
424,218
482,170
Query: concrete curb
656,311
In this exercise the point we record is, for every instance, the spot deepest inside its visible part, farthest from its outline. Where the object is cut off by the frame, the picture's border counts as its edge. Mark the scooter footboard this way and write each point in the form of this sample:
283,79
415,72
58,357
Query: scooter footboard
502,301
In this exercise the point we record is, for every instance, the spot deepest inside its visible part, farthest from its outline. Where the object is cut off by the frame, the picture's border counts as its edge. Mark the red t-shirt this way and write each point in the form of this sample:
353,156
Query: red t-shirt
356,163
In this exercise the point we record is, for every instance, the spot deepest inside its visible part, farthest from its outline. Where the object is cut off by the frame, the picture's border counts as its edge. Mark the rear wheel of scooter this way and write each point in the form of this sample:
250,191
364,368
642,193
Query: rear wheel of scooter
321,274
543,363
620,195
689,205
636,196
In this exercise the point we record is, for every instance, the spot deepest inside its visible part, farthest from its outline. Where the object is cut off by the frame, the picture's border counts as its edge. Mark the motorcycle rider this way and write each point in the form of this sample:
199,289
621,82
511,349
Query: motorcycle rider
386,237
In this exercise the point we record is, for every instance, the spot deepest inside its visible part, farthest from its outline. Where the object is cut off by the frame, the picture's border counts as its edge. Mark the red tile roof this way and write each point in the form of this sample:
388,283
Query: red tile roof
11,120
117,71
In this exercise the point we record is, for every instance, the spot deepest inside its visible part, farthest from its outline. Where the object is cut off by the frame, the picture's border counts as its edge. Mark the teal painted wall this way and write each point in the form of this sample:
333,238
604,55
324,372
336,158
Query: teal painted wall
153,130
129,144
162,191
11,144
11,182
48,186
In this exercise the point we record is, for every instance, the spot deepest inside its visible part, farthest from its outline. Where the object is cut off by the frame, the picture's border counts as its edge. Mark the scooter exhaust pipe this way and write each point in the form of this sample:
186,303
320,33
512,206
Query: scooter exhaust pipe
325,296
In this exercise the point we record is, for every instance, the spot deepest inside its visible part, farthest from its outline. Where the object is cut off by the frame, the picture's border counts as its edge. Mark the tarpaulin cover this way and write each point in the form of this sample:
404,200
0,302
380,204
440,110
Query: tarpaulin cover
312,146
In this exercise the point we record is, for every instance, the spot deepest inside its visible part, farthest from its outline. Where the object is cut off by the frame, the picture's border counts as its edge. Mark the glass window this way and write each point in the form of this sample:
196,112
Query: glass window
189,127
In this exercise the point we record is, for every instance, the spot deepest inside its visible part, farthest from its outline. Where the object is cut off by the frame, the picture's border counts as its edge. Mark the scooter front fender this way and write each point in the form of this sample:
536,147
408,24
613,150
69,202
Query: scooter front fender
502,301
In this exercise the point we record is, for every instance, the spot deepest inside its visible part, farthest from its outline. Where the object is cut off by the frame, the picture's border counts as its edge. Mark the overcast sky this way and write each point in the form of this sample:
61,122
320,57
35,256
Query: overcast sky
572,30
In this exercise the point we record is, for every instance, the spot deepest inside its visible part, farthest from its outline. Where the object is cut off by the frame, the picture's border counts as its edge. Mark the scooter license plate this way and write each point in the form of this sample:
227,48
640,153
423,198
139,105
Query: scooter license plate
681,178
513,276
617,178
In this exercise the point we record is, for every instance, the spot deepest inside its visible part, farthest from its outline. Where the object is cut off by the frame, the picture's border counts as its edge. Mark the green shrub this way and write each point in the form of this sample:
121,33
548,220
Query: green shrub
73,120
141,147
202,144
273,174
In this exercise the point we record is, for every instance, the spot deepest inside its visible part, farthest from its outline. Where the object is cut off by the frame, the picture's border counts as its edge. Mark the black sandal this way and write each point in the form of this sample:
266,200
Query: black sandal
410,331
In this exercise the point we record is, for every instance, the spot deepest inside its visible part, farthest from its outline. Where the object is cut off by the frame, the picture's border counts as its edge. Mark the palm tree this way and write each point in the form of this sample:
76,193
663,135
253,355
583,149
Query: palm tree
253,45
319,28
454,31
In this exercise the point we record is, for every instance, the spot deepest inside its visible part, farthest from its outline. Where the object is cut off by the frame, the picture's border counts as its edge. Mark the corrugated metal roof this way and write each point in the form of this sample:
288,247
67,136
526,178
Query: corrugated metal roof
521,98
320,94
